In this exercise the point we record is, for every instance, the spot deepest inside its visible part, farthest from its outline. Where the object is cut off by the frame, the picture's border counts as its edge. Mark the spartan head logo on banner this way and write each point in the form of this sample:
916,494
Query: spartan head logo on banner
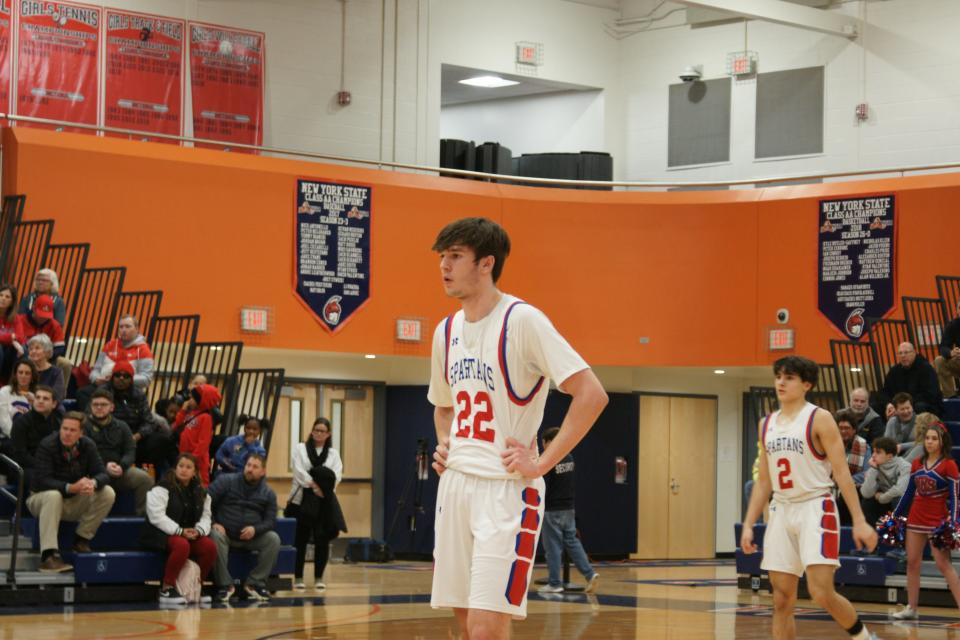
856,262
332,249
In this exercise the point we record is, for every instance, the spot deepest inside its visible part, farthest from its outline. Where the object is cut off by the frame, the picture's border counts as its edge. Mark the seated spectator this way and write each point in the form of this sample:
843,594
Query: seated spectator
129,346
46,283
39,352
10,348
165,414
196,427
178,524
69,483
922,423
30,428
232,454
186,402
913,375
40,321
116,448
16,398
885,481
948,362
901,425
858,452
244,516
870,425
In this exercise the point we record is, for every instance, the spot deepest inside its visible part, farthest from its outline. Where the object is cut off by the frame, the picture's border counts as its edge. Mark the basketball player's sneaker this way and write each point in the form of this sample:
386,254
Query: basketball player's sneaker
907,613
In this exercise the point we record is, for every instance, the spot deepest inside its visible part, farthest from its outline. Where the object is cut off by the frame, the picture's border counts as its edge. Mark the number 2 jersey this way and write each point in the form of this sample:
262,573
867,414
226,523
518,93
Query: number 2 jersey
798,471
494,373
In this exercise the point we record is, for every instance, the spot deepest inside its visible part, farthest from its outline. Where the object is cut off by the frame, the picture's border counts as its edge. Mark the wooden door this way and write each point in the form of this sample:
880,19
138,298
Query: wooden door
296,411
350,410
693,478
676,496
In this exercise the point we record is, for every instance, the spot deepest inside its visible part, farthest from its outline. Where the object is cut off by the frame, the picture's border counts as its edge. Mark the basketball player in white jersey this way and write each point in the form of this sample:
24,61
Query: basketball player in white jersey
488,384
801,448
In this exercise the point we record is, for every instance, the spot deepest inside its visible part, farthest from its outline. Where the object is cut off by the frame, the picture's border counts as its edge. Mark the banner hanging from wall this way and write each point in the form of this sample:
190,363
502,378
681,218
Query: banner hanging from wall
57,61
6,40
144,72
226,80
332,249
857,261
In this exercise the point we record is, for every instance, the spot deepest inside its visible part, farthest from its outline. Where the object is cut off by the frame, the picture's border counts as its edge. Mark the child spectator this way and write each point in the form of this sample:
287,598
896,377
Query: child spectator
196,426
232,454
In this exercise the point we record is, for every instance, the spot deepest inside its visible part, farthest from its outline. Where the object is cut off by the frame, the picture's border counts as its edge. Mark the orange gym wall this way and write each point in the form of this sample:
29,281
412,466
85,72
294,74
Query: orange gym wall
700,274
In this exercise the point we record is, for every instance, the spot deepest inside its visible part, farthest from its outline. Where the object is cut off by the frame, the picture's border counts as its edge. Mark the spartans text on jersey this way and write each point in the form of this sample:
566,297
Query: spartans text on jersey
784,444
471,369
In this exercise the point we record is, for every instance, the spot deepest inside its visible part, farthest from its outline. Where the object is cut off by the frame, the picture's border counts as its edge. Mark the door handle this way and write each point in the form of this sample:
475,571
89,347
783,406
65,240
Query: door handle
674,486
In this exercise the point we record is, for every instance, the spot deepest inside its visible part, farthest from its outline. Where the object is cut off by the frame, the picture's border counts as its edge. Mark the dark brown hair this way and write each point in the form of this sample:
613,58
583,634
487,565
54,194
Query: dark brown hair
484,236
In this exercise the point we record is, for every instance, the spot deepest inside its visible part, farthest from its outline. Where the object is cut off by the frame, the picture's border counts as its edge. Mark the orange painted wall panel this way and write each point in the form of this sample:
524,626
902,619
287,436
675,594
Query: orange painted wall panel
698,273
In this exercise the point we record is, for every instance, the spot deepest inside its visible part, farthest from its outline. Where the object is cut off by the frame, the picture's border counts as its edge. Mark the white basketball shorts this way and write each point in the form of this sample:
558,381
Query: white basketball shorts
800,534
486,535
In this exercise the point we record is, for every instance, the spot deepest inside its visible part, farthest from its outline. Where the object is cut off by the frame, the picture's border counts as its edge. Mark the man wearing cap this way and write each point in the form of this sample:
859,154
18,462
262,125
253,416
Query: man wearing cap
41,320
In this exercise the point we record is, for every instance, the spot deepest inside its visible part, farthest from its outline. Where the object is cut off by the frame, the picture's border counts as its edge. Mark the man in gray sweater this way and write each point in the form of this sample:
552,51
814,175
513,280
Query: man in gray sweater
885,481
901,425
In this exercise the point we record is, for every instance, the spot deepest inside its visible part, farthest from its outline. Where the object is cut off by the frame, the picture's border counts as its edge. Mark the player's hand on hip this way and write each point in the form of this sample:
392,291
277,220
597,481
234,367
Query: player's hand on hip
864,536
440,459
746,541
520,459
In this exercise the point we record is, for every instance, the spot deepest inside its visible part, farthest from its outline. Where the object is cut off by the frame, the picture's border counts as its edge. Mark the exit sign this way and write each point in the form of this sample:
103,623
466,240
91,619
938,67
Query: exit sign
781,339
409,329
255,319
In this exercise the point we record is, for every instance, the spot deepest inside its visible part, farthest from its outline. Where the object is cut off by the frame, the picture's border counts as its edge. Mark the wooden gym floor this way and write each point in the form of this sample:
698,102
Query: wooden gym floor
657,600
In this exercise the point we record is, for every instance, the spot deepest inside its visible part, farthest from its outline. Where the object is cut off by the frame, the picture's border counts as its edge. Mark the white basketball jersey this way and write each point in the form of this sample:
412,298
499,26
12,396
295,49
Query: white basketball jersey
493,373
797,470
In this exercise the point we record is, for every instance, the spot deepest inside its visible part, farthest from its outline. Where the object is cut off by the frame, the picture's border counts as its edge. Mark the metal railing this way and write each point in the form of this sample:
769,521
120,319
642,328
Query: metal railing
17,514
92,311
30,241
257,393
69,262
886,337
463,173
10,216
855,365
218,362
925,320
949,289
171,338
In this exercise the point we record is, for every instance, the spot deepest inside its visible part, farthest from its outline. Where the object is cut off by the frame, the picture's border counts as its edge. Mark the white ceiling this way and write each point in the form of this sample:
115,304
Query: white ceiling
452,92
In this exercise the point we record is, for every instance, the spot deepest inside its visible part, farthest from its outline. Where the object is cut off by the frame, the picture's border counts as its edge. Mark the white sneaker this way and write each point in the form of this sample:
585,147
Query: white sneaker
320,586
299,586
548,588
907,613
592,583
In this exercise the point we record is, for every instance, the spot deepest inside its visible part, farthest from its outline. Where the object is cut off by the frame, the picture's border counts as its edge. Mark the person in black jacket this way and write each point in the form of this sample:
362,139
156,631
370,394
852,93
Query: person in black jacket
30,428
244,516
178,522
116,448
948,362
914,375
69,483
559,523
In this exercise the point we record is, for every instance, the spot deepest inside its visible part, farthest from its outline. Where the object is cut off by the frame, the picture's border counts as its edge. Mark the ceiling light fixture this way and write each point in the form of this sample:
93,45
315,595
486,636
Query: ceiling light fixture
370,356
719,372
489,82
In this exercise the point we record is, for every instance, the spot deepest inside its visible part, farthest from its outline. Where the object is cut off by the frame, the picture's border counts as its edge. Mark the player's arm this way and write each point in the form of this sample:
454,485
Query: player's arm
827,435
759,497
442,417
588,402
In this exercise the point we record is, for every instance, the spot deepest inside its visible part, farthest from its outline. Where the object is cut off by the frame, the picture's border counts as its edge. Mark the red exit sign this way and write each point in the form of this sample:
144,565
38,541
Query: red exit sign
781,339
409,329
255,320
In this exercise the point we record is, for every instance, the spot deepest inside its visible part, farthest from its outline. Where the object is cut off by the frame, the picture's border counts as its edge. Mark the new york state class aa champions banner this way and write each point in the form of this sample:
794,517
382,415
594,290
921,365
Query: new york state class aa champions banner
226,80
856,261
332,249
57,71
144,72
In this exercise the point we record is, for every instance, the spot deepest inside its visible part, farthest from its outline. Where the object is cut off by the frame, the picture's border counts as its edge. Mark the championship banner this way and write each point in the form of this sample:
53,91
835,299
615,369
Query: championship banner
144,83
6,34
226,78
57,73
856,261
332,252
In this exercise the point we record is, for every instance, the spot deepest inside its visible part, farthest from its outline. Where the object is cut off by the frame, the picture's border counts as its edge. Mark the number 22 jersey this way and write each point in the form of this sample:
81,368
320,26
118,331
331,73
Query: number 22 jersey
494,373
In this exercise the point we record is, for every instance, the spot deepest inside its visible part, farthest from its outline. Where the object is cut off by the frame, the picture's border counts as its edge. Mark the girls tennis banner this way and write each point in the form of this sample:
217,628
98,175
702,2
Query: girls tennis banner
226,78
144,72
58,50
6,36
856,261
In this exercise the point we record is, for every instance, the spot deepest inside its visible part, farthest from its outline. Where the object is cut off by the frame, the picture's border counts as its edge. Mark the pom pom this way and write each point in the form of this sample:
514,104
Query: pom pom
892,530
946,536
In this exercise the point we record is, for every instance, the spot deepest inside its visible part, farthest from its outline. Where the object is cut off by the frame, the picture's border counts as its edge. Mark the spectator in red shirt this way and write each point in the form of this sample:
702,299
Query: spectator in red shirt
10,349
46,283
196,426
41,320
129,346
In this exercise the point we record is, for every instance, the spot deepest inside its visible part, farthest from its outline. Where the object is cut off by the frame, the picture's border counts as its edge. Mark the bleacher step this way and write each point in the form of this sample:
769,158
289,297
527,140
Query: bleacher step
26,560
38,578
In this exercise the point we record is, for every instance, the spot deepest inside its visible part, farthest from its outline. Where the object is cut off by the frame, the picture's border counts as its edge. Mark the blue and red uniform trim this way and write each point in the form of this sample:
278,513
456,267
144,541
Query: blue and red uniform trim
813,449
525,547
502,350
447,328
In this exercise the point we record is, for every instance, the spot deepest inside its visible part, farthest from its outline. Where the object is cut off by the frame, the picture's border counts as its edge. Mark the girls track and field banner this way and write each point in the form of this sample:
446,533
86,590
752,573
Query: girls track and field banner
226,78
6,37
332,249
57,70
856,261
144,72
